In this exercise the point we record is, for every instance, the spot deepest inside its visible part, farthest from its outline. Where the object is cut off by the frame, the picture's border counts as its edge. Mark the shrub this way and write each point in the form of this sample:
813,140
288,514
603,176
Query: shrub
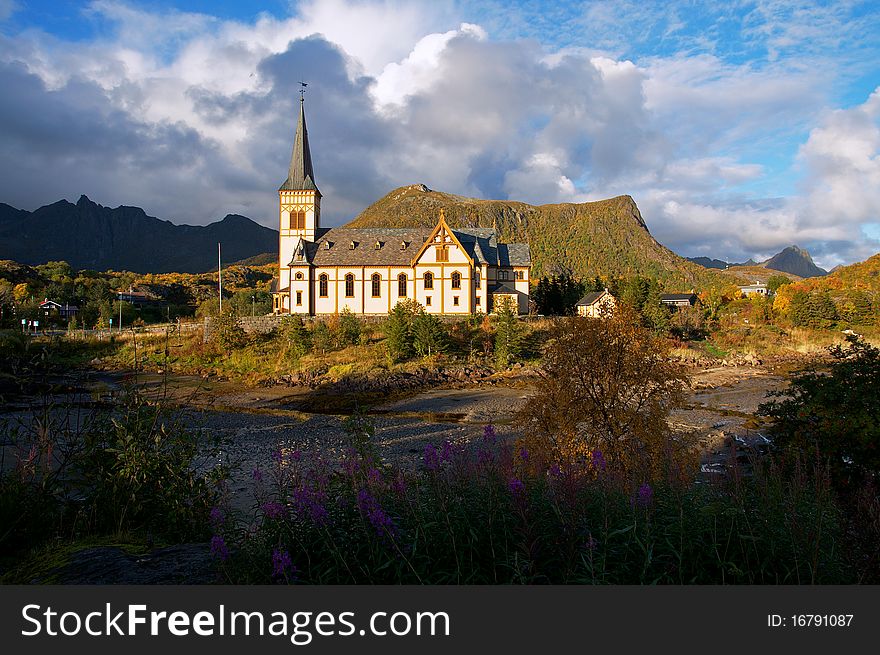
608,385
226,333
429,336
295,336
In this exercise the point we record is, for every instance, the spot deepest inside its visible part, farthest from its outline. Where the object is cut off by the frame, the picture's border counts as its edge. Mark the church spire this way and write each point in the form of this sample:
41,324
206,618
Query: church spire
301,177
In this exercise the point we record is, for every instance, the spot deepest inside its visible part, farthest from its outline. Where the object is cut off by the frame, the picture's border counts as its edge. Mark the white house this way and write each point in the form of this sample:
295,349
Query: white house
596,304
756,289
369,270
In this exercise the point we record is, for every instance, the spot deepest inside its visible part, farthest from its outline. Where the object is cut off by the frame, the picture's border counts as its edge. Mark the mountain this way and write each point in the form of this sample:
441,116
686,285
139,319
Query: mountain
708,262
794,260
88,235
606,237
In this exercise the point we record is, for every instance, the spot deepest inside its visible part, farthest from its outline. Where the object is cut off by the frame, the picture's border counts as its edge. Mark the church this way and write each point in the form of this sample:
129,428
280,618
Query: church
369,270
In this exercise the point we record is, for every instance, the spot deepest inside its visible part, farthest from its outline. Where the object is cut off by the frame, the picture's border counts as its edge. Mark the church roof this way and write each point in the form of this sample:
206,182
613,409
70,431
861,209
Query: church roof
301,176
357,247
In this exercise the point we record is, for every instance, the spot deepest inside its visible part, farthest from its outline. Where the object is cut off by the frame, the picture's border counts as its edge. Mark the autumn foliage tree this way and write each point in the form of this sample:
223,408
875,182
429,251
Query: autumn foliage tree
607,387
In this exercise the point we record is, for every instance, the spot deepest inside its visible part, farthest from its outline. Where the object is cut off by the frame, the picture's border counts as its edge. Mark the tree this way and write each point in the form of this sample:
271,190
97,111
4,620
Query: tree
398,329
322,337
557,295
429,337
813,310
776,281
606,385
295,336
249,301
509,333
226,333
835,414
348,328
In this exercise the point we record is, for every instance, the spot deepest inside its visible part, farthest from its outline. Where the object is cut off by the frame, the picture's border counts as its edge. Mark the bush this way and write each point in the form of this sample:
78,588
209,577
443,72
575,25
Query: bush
429,336
226,333
607,385
835,415
296,337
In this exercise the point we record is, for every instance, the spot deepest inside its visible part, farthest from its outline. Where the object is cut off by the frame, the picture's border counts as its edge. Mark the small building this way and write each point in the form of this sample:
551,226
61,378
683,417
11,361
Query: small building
596,304
677,300
137,298
50,309
756,289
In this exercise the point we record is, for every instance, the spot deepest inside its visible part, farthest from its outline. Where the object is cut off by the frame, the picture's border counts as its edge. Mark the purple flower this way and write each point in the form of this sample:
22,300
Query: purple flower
516,486
398,485
296,455
524,454
598,460
372,510
277,455
644,496
555,471
489,433
257,475
591,543
273,510
218,548
310,501
282,565
446,451
431,458
374,477
217,516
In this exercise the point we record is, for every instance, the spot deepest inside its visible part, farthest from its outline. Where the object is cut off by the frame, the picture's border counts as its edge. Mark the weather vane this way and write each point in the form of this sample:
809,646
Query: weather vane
302,91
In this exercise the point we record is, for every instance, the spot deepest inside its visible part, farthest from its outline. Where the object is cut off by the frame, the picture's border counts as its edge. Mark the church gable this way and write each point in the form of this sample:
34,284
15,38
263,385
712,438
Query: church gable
442,247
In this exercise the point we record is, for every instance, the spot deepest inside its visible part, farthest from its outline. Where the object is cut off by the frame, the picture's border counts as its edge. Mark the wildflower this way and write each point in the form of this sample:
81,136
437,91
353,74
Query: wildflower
273,510
431,458
374,513
374,477
644,496
555,471
219,548
446,452
282,565
217,516
524,454
591,543
516,486
598,460
277,455
309,500
257,475
296,455
398,485
489,433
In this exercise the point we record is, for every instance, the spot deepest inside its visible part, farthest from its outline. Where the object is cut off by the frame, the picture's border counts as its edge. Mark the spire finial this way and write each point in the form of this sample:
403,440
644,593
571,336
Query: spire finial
442,214
302,91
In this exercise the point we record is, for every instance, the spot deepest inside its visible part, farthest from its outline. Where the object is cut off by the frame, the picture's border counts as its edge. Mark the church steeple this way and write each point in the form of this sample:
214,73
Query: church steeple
301,176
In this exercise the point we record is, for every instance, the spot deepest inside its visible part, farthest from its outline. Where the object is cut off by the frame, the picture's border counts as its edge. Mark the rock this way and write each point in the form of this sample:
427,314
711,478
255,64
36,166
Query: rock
181,564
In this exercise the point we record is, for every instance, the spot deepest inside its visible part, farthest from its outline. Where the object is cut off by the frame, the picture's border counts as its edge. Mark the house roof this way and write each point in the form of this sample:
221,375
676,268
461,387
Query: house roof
503,289
590,298
514,254
670,297
300,176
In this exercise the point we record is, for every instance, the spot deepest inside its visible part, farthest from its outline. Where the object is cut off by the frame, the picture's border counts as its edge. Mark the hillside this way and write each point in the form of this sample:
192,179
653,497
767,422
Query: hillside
756,273
607,237
90,236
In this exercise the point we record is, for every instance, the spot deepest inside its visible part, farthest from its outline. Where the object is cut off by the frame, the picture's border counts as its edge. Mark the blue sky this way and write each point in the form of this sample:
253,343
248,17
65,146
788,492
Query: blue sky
739,127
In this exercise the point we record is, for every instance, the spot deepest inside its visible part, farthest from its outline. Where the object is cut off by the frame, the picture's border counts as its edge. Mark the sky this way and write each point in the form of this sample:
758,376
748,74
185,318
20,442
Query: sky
738,127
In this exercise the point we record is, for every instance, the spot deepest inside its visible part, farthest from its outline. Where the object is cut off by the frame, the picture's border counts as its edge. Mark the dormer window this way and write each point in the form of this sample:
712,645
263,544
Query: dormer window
378,245
352,245
326,245
403,245
299,254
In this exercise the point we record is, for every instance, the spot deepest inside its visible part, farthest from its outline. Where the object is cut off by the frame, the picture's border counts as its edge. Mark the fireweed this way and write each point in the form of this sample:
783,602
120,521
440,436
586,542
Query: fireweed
486,513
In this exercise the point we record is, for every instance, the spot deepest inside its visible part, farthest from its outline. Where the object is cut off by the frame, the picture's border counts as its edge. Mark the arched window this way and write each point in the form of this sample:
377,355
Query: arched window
456,280
349,286
401,285
299,276
322,285
429,281
376,285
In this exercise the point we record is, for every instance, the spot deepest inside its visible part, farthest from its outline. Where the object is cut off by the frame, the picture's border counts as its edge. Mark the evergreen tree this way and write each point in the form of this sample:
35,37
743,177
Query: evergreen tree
322,337
398,329
296,336
349,328
429,336
509,334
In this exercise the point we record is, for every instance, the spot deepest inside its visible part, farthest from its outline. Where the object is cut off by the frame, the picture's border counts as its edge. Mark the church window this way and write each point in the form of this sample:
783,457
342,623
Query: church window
349,286
443,253
476,279
376,284
297,220
299,297
299,276
322,285
455,300
502,275
401,285
518,275
456,280
429,281
428,301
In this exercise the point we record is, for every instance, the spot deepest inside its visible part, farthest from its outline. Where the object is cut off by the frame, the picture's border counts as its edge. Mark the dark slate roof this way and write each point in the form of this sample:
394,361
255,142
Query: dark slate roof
678,296
590,298
481,245
514,254
503,288
301,176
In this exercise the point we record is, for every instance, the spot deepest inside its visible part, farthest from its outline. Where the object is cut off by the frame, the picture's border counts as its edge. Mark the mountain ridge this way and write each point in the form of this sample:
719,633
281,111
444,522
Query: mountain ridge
90,236
792,259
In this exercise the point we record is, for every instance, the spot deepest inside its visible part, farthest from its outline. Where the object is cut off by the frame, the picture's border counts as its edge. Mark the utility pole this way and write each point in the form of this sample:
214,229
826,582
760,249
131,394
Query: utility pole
220,277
